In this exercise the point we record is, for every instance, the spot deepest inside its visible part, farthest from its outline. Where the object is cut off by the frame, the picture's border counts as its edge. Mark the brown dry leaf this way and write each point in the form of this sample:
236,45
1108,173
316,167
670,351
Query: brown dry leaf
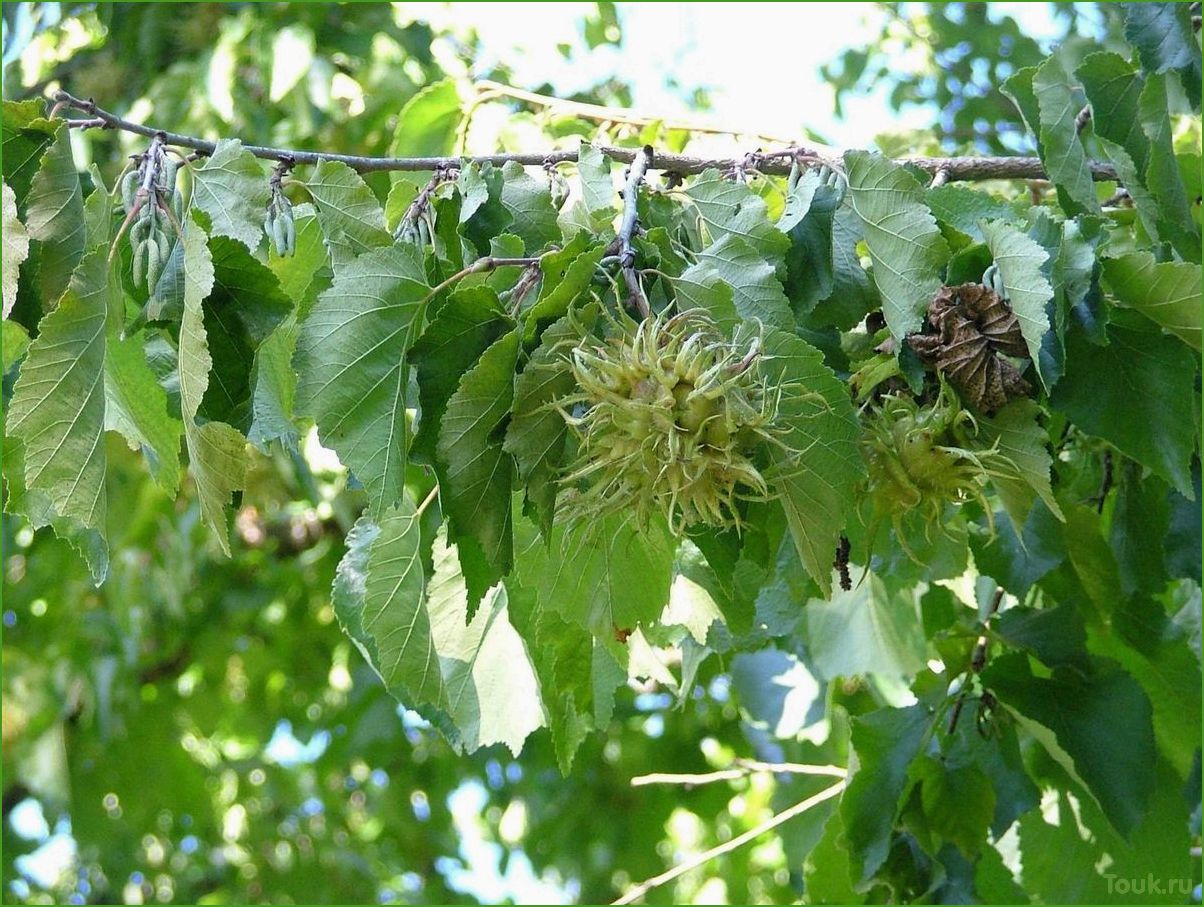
973,329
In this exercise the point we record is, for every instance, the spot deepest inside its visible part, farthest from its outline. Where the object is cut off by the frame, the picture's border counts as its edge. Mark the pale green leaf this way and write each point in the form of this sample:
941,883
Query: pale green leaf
1166,292
756,291
1062,151
492,691
54,217
216,451
1023,475
351,366
729,207
530,205
391,624
597,186
16,247
1020,260
904,242
427,124
352,220
585,575
869,629
232,189
136,407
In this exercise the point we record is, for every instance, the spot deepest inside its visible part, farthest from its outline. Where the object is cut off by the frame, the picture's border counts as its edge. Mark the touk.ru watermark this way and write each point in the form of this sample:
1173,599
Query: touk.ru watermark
1149,884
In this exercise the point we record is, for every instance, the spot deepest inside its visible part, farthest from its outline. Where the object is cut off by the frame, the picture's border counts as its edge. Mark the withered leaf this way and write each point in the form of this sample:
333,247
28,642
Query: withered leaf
971,329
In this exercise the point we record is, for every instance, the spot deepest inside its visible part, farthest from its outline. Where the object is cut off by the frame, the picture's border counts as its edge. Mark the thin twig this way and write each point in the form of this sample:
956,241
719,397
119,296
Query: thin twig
488,89
959,169
488,263
631,196
742,769
978,659
694,862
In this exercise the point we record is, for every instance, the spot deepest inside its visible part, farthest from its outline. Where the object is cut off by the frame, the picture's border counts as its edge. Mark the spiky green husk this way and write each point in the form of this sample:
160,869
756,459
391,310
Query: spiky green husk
921,459
668,414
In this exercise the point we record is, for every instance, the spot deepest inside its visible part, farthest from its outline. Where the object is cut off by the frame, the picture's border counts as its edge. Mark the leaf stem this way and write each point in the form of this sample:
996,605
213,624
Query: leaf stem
488,263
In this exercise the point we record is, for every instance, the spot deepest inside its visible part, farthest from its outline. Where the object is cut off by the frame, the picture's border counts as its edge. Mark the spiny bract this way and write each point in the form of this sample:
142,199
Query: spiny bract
923,458
668,414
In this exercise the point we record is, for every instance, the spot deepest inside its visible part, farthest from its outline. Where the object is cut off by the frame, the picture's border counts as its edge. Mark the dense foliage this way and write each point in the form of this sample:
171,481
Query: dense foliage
859,467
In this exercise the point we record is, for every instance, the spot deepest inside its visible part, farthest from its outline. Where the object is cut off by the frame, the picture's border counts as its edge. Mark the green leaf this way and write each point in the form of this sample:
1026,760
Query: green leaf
530,206
1097,726
467,322
1061,150
585,574
537,432
1055,635
305,273
1132,125
136,406
965,209
1168,292
492,689
807,221
1022,475
216,451
563,281
16,247
427,124
54,217
1026,289
232,189
815,464
1137,393
577,676
378,596
853,295
479,473
905,244
1165,40
958,804
730,208
473,679
352,220
1018,560
756,291
351,366
597,185
27,133
884,743
58,406
274,385
869,629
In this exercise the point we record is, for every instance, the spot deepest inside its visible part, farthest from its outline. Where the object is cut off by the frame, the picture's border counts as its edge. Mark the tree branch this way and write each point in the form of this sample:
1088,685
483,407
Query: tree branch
741,769
631,197
694,862
958,168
